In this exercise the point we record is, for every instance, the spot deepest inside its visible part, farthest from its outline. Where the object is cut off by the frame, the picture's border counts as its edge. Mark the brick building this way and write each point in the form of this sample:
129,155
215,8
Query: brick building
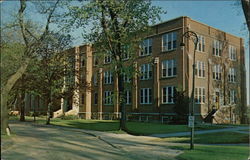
220,89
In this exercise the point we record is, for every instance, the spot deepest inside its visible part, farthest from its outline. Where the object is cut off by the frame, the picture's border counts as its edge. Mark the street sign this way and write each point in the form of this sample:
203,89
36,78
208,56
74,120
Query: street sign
190,121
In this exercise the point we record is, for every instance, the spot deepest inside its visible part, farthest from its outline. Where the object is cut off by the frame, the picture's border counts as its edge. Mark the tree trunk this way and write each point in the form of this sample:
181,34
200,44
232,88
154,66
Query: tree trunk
121,102
48,112
5,92
22,106
245,7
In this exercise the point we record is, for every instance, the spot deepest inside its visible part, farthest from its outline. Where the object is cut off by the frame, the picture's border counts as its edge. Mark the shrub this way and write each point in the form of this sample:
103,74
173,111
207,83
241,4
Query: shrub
69,117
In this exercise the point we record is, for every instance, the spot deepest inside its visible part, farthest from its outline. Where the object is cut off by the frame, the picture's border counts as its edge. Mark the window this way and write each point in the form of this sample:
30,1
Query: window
82,61
146,71
168,68
200,95
232,75
232,53
200,69
108,77
169,41
146,47
95,60
108,97
126,78
201,43
95,98
128,97
217,69
217,48
82,99
107,59
168,94
125,52
95,79
232,97
146,96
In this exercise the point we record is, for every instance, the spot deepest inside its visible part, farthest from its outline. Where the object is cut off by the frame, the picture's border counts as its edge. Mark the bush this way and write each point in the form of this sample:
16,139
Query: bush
69,117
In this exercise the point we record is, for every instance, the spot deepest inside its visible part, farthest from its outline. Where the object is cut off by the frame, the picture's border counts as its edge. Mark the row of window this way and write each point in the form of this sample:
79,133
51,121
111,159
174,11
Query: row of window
169,69
169,42
168,93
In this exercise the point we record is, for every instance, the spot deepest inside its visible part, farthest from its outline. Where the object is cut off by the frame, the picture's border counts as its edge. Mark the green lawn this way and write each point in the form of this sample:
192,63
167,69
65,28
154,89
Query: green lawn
207,152
138,128
213,138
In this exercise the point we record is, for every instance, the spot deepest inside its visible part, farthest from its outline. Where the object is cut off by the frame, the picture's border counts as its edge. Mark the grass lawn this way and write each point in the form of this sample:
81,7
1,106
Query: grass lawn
213,138
134,127
207,152
138,128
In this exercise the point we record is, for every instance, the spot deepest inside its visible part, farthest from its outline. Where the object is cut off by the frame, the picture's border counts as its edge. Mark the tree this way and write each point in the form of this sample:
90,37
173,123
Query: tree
245,7
116,25
30,42
181,103
46,77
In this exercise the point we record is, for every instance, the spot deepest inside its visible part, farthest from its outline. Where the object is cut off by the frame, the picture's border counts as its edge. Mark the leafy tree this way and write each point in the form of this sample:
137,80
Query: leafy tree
114,26
181,105
46,77
29,38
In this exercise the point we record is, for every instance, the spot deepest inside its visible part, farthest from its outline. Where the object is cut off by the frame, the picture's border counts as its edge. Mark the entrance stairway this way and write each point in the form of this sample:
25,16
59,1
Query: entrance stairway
210,116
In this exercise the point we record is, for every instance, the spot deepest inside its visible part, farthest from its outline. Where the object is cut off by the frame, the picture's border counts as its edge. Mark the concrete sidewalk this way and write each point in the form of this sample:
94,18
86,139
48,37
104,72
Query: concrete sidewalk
179,134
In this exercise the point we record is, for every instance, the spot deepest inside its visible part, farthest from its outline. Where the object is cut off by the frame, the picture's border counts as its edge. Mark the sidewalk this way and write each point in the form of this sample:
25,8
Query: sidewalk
179,134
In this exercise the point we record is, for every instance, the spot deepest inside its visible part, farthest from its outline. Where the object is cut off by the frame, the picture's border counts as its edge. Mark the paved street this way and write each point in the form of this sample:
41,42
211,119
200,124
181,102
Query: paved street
37,142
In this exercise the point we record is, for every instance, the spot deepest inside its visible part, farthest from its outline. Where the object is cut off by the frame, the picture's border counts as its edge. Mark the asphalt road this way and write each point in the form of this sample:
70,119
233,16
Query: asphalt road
38,142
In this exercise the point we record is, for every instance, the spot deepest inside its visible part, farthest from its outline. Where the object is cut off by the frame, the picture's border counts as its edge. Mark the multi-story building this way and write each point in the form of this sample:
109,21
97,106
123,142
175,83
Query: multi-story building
164,65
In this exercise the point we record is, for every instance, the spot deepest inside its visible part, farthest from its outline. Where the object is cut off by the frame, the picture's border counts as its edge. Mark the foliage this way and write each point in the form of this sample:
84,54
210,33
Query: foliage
116,30
181,106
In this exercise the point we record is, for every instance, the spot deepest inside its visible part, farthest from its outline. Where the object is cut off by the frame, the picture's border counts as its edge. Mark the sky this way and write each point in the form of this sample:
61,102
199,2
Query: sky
223,15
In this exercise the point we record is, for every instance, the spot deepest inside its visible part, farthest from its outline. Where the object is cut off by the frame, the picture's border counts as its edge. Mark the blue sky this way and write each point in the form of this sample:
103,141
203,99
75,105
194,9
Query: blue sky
223,15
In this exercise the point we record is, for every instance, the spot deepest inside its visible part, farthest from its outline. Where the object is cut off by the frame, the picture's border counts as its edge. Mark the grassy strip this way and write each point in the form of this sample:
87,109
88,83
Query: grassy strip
207,152
212,138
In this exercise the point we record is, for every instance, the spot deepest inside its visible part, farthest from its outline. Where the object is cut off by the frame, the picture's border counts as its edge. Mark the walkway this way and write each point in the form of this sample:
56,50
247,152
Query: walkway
41,142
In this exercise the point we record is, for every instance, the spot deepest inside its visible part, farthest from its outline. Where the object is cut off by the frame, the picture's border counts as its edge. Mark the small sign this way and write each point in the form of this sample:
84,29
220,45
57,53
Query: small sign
190,121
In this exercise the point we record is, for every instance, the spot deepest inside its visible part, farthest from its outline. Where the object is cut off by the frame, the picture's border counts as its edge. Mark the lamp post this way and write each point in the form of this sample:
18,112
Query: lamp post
193,36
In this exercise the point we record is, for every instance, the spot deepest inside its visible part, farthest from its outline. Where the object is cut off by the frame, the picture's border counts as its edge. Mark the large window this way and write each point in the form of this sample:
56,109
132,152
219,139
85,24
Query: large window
128,97
217,48
95,60
146,71
108,97
169,41
232,97
146,96
232,75
169,68
107,59
217,69
168,94
126,78
82,99
82,60
200,69
232,53
200,95
146,47
108,77
95,79
201,44
95,98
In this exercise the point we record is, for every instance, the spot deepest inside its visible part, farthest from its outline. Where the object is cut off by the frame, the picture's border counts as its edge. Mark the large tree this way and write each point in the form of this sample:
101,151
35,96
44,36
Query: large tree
30,41
116,25
47,76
